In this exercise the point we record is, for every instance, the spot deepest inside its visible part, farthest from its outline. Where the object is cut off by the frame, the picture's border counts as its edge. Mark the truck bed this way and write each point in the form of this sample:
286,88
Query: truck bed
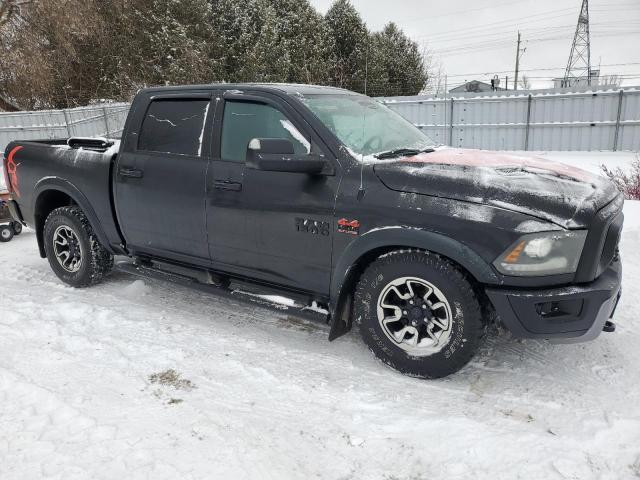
81,168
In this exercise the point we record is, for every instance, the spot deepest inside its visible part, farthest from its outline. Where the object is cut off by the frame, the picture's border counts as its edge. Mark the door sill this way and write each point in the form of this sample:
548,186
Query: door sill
278,300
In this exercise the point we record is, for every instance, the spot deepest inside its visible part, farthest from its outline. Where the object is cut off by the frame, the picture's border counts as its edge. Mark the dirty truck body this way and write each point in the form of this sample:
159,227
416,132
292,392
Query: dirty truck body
325,194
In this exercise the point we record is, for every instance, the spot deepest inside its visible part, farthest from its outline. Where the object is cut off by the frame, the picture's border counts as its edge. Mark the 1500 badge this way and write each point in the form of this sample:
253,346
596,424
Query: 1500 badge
313,227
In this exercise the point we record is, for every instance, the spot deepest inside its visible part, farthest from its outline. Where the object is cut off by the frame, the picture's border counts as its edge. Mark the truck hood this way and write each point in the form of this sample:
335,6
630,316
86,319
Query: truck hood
564,195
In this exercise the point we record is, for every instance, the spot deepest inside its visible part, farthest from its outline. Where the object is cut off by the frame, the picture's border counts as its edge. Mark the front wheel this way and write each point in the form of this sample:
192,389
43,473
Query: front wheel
418,313
73,250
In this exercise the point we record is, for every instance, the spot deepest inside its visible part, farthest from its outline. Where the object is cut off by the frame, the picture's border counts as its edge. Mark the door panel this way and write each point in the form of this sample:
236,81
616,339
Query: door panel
161,183
292,215
227,223
274,226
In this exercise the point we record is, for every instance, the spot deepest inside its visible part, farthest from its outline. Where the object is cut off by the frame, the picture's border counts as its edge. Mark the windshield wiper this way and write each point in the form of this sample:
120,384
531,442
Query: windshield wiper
402,152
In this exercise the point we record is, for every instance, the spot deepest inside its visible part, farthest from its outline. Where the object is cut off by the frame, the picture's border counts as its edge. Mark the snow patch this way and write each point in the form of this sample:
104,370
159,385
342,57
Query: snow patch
293,131
204,124
136,289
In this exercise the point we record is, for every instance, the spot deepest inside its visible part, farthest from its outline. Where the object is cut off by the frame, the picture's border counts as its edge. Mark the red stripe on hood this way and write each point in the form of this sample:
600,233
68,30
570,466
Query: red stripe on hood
485,158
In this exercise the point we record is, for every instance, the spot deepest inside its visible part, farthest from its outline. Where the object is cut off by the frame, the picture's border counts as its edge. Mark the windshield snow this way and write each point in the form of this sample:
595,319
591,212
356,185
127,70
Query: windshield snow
365,126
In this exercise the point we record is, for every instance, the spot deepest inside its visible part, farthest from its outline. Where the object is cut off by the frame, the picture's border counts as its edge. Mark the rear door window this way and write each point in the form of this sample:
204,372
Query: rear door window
174,126
244,121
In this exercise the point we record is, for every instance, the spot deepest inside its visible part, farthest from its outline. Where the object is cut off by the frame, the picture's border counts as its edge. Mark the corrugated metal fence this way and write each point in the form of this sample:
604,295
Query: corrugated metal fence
93,121
536,120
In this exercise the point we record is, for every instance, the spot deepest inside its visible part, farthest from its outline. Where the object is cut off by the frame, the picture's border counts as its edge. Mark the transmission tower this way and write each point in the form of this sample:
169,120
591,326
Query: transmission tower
579,66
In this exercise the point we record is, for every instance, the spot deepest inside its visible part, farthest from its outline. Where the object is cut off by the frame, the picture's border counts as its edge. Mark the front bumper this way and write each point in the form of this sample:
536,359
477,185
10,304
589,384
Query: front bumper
576,313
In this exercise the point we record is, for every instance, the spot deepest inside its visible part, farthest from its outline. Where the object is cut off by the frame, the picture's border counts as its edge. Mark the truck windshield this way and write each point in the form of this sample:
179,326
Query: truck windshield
366,126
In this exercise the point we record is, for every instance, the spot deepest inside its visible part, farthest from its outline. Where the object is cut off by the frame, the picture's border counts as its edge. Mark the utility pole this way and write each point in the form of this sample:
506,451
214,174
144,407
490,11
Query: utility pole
579,65
518,55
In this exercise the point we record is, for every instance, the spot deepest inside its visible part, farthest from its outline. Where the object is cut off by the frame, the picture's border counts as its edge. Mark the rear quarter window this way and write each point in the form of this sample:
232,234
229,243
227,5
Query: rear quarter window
174,126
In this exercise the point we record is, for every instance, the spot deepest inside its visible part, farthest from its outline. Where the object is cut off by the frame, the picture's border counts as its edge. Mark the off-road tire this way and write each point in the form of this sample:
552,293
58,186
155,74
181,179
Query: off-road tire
17,228
96,260
6,233
467,326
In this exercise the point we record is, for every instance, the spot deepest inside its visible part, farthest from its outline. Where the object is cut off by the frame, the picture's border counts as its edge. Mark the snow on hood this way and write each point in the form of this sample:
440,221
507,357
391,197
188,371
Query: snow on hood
565,195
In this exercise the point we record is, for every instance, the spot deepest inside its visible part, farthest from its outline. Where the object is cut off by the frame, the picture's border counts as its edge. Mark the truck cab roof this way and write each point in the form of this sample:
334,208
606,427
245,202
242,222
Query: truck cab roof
288,88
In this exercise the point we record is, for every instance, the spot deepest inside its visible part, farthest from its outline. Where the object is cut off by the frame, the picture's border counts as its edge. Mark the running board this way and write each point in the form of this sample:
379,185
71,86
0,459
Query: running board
232,289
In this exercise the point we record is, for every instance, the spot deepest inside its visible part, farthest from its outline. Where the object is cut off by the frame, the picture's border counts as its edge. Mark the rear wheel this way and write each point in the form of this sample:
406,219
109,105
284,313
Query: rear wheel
418,313
6,233
17,228
73,250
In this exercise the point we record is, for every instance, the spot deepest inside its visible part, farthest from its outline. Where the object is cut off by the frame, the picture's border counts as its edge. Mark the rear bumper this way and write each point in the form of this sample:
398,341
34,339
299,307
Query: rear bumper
576,313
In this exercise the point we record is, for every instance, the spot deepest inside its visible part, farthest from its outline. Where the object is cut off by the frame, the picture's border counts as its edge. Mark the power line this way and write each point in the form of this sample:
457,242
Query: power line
466,11
544,69
470,32
504,43
512,21
419,19
533,30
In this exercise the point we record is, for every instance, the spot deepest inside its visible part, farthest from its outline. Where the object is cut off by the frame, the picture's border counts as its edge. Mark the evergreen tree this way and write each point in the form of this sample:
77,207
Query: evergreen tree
235,23
396,65
268,60
302,33
75,52
172,41
350,44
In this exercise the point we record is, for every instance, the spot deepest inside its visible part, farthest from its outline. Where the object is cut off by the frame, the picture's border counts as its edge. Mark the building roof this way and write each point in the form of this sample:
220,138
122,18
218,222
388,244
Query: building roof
474,86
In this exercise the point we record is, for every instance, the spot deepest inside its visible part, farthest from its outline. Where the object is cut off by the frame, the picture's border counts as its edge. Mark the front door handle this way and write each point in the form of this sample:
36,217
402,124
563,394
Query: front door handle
227,185
130,172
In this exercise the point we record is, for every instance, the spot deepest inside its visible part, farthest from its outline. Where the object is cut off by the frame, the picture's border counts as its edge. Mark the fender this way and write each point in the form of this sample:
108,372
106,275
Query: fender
400,237
61,185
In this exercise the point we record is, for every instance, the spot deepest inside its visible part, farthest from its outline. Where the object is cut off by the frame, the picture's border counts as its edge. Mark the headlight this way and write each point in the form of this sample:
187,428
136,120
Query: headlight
544,253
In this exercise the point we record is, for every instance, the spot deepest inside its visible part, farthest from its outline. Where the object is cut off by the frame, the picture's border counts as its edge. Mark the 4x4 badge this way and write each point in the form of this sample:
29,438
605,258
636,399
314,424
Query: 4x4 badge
351,227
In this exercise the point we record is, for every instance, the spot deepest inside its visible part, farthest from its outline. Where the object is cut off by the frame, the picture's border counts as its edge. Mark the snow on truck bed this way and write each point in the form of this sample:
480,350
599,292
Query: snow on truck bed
142,379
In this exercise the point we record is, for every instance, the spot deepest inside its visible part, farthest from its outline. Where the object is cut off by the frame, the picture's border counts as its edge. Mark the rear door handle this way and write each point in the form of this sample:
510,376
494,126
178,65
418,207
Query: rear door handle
130,172
227,185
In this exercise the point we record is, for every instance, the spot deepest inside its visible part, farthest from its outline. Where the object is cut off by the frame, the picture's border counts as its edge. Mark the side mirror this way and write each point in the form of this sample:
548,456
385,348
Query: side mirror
277,155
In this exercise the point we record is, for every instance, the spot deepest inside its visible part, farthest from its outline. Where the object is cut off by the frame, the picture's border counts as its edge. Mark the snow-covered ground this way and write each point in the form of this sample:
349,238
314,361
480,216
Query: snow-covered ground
134,379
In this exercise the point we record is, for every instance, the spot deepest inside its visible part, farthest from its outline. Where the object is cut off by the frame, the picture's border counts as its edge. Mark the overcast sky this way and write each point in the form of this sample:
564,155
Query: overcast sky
470,38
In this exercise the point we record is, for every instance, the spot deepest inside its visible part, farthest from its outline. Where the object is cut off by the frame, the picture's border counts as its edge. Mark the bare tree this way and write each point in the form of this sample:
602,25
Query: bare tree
436,84
525,83
611,80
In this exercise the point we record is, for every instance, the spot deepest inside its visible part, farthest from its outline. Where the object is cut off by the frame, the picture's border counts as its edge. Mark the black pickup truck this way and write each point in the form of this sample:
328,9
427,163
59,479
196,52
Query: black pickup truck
327,195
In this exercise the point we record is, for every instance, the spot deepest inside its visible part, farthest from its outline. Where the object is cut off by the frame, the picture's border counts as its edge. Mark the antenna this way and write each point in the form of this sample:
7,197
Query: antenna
366,67
364,119
579,65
